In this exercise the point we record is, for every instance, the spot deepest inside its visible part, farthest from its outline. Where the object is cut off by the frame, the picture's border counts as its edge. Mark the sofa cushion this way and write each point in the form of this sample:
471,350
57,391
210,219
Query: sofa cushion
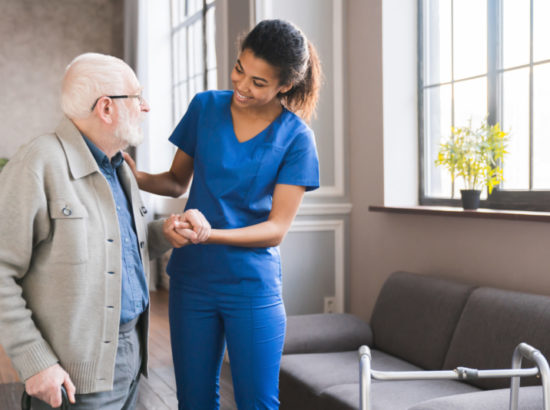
415,315
319,333
304,376
307,381
392,395
493,323
530,398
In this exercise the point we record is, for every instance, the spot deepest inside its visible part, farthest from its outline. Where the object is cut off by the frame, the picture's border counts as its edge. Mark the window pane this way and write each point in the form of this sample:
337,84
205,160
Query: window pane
470,102
437,125
180,56
516,32
175,11
211,38
541,30
541,127
470,38
196,48
437,41
212,79
193,6
175,57
515,119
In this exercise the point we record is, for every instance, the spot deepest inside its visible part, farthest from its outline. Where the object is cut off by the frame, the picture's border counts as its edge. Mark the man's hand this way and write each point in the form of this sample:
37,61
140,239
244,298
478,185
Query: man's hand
199,229
169,229
46,385
189,227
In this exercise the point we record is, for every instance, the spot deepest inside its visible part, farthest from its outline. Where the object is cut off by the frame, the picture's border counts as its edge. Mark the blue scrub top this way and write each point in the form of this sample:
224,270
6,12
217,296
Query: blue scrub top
232,186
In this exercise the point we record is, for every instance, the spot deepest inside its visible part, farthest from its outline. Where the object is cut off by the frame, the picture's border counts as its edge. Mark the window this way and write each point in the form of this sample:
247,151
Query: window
487,58
193,51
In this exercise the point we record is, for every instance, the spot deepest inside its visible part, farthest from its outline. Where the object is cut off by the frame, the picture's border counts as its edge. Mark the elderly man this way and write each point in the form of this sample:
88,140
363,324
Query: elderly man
74,249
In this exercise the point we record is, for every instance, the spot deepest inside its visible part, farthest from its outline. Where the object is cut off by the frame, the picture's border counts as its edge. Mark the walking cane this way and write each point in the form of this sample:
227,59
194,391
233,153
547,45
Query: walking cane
26,400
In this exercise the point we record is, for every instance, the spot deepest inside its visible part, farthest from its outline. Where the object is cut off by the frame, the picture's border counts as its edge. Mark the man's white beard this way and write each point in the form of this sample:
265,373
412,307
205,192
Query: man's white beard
127,132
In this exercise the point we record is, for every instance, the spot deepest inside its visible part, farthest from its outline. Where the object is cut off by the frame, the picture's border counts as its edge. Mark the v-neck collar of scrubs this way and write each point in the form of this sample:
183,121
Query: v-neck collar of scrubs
255,137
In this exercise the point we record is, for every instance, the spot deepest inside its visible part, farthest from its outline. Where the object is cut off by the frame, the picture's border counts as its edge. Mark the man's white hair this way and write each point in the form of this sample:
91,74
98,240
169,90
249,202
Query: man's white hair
90,76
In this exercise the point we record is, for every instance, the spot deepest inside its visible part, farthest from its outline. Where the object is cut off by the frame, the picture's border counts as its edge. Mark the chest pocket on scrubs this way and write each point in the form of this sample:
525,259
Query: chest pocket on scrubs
268,159
69,240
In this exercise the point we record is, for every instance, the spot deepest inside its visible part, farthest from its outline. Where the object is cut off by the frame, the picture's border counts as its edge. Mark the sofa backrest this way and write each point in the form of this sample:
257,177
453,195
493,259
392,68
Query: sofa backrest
322,333
492,324
415,316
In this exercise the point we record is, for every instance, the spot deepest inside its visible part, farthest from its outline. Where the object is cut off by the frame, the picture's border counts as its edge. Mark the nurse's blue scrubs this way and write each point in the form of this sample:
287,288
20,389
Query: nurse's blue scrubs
222,292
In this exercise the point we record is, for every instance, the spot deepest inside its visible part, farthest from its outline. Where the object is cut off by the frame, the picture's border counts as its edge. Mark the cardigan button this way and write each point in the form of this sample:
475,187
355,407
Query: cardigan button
142,244
66,211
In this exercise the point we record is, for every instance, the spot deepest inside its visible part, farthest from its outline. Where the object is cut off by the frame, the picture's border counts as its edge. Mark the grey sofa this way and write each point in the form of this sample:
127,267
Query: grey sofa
418,322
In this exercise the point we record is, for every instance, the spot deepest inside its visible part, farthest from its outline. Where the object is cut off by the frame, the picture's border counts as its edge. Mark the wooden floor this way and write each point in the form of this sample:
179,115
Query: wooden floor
157,392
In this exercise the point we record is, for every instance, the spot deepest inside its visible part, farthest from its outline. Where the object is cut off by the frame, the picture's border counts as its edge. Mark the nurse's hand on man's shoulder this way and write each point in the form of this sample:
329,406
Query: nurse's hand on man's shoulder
193,225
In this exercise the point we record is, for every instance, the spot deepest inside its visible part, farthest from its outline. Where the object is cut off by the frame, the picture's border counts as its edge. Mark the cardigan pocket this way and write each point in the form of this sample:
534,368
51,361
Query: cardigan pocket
69,237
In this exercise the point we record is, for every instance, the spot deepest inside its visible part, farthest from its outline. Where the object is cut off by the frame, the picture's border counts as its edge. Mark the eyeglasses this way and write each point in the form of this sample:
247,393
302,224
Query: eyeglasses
138,96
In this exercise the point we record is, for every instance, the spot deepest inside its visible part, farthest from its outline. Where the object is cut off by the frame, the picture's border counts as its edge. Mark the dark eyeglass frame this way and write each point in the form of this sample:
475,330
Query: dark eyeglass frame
113,97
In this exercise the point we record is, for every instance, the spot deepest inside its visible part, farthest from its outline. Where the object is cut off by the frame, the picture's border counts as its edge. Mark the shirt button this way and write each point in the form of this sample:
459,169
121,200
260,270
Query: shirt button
118,208
126,240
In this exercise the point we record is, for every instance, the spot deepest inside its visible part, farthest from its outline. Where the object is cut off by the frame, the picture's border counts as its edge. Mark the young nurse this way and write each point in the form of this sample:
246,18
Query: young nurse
252,157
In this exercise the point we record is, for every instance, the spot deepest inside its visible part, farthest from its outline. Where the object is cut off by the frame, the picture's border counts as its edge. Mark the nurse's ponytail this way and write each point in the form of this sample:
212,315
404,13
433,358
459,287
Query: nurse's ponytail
285,47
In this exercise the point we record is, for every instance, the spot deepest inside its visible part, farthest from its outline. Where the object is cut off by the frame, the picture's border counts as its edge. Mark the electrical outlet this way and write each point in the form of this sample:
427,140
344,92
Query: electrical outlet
330,302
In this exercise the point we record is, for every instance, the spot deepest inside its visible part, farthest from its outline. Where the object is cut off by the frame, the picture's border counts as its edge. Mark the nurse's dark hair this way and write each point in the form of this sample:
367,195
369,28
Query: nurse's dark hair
285,47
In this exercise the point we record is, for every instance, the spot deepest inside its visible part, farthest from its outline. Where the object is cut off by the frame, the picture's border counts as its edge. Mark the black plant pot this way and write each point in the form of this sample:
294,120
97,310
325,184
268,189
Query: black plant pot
470,198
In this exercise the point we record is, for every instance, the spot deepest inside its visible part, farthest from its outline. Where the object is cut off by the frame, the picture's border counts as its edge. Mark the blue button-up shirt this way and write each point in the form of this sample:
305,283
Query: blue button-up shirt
135,296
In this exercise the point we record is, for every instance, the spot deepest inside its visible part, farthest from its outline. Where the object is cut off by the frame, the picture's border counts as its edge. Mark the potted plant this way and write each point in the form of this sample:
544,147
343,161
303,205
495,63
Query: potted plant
3,161
476,155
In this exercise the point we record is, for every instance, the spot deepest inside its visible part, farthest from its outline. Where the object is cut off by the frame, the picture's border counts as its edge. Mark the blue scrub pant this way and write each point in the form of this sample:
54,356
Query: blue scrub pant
254,328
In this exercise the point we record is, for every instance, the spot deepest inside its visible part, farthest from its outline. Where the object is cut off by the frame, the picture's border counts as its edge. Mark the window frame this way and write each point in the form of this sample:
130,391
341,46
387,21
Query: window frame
529,200
185,24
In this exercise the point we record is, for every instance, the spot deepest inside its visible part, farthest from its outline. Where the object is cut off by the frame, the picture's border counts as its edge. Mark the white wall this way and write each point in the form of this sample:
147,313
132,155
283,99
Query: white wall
506,254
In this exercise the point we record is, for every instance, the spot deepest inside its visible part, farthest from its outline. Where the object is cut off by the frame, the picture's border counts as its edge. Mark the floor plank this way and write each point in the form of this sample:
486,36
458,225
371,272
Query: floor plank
10,396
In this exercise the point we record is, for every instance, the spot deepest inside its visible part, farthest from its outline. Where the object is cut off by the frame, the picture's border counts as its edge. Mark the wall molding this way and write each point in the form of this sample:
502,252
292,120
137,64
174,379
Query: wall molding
324,209
166,206
336,226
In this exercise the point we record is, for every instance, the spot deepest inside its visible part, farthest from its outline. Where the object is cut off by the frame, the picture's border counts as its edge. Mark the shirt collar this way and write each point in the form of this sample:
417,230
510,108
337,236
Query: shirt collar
102,159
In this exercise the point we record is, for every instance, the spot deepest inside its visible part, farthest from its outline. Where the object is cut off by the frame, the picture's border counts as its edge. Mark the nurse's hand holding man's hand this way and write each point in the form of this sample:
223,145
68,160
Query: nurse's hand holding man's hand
186,228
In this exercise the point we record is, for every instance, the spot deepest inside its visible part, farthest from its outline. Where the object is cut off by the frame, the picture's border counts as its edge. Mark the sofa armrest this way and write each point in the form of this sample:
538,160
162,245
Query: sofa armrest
331,332
530,398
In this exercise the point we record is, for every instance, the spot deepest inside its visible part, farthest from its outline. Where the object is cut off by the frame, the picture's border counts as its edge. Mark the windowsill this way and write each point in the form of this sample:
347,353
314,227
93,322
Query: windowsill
459,212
